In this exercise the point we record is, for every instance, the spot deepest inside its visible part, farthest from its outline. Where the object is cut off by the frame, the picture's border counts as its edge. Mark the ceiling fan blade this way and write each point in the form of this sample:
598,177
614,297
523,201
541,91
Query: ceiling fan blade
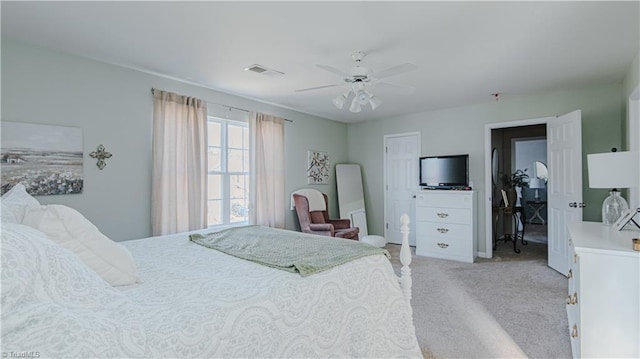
317,87
334,70
396,70
405,88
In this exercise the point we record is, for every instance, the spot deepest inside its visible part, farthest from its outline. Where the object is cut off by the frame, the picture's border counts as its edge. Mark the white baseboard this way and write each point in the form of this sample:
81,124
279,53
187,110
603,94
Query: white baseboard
482,254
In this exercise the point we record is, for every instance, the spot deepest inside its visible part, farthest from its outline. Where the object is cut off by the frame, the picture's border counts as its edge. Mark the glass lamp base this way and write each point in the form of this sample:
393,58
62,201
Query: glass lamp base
613,207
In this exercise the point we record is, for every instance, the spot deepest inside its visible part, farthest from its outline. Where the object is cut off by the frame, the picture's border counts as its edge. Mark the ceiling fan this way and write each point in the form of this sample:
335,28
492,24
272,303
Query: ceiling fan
361,80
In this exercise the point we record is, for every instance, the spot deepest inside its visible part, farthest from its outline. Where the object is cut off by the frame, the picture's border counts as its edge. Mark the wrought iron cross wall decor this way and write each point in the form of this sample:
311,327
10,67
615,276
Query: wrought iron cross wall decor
101,155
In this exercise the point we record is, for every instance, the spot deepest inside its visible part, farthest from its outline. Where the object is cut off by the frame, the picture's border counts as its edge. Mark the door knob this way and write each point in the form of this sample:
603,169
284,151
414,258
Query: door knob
573,205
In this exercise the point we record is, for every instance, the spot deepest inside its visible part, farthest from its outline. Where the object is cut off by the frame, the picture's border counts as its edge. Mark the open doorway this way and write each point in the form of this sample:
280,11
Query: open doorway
530,153
520,212
564,198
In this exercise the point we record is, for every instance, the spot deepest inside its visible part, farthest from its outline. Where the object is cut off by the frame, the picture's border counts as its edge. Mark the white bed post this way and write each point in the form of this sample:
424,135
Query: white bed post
405,258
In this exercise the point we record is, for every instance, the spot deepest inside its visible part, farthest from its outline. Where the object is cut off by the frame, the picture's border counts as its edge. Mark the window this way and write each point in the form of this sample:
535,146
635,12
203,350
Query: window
228,171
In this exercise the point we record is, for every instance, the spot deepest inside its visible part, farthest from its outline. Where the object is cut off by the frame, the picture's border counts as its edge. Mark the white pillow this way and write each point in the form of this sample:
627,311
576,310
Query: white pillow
67,227
54,305
14,203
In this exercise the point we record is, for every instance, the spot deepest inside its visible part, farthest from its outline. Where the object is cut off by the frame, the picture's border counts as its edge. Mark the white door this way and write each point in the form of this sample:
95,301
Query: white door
401,182
564,189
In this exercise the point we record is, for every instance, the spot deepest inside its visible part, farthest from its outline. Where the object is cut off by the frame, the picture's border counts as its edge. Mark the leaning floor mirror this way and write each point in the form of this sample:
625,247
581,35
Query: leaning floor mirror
351,196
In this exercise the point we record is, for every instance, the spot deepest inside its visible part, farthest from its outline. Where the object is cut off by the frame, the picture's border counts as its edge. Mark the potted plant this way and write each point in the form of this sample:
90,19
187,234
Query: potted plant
513,184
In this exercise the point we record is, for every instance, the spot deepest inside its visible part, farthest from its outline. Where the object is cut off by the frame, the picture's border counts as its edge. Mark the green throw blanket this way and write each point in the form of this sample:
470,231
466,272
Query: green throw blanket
287,250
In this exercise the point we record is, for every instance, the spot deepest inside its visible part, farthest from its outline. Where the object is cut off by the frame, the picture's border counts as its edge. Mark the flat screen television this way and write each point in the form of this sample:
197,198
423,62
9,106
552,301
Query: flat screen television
444,172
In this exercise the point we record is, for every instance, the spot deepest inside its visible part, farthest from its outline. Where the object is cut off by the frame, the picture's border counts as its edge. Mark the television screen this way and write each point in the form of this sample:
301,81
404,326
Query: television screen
444,171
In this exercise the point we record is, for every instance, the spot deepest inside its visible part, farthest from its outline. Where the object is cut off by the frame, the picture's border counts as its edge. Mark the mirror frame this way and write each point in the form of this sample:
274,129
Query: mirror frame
545,175
494,166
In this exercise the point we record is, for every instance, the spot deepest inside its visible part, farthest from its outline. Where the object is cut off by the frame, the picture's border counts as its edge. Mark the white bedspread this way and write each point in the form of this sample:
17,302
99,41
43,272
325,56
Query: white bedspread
198,302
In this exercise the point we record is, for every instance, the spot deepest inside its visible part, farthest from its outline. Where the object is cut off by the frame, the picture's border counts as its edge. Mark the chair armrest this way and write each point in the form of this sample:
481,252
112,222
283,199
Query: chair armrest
323,229
340,223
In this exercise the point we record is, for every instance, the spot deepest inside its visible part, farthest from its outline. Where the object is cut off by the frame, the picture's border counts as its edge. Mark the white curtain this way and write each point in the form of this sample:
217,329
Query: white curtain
266,195
179,183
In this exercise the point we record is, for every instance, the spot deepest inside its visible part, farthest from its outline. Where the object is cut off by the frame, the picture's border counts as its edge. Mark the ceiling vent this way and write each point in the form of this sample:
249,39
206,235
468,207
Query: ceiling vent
259,69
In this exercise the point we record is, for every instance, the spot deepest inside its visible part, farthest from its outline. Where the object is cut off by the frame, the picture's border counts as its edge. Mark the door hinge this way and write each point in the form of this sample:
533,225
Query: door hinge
386,149
387,225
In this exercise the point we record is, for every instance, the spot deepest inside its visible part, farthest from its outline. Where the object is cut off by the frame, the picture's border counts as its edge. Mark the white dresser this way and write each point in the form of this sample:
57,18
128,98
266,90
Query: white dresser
604,296
446,224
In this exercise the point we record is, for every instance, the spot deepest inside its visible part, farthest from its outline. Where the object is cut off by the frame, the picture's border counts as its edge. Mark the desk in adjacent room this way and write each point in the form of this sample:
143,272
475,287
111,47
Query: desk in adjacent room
537,206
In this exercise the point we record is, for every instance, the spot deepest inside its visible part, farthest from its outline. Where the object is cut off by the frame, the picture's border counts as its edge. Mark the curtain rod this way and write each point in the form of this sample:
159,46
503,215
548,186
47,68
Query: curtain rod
232,107
240,109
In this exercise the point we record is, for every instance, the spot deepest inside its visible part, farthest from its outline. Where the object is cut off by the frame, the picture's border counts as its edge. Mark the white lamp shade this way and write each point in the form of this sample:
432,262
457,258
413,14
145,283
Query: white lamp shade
613,169
374,102
536,183
339,101
355,105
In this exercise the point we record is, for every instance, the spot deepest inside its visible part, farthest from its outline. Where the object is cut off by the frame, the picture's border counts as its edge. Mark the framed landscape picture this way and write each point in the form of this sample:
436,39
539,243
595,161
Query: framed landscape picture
46,159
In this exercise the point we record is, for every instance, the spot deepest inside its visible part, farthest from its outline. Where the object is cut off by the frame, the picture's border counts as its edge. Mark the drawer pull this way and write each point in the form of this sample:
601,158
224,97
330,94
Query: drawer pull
572,300
443,230
443,245
570,275
443,215
574,331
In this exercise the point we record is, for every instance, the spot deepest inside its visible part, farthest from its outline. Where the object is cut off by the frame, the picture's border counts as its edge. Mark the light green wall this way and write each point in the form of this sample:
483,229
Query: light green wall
630,82
632,78
113,106
631,119
461,130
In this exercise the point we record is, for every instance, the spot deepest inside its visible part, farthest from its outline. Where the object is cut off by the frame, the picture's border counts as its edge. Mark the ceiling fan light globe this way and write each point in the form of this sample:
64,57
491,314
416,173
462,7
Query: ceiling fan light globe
339,101
374,102
355,106
363,97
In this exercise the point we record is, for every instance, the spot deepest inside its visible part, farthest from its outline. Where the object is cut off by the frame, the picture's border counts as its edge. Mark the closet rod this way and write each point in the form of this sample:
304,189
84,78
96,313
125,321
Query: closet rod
231,107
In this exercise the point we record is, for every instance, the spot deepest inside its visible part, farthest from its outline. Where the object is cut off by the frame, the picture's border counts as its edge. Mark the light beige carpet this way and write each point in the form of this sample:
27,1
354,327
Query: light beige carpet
512,306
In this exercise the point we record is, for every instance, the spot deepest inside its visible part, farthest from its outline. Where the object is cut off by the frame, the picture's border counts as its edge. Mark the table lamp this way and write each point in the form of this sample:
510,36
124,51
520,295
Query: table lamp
613,170
536,183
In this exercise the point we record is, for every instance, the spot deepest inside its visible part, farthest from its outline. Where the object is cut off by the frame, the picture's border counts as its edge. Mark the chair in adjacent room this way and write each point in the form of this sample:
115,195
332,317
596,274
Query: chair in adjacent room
313,216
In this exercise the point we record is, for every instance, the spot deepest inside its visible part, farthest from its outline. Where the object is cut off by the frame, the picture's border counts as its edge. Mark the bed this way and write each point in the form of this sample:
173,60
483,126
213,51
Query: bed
190,301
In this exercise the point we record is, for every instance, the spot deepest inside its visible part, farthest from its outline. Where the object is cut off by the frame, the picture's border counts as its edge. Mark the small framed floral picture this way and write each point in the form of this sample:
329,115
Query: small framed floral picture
318,167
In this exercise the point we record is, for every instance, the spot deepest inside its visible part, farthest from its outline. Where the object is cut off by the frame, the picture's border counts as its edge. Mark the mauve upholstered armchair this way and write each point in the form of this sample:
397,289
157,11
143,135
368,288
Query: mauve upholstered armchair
318,222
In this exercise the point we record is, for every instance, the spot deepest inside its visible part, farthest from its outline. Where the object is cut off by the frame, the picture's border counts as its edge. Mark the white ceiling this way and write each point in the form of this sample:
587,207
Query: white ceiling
465,51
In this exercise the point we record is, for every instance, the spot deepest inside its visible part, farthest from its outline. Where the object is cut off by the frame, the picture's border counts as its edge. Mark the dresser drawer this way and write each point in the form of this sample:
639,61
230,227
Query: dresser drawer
574,301
444,215
444,230
449,199
443,247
